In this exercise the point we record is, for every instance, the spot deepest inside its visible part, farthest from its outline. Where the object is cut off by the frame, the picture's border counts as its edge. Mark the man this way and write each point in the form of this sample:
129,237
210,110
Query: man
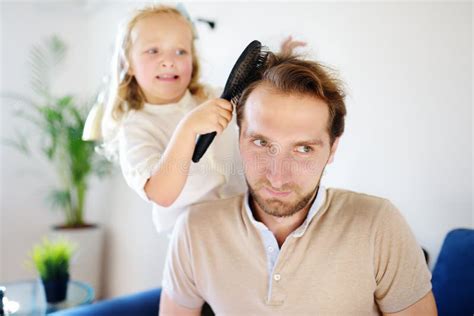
290,246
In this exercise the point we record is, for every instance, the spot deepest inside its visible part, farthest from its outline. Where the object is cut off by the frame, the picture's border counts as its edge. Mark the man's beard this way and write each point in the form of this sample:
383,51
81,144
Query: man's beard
278,208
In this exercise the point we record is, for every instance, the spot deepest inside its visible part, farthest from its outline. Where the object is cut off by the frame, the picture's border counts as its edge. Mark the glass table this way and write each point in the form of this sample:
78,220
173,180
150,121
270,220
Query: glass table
26,298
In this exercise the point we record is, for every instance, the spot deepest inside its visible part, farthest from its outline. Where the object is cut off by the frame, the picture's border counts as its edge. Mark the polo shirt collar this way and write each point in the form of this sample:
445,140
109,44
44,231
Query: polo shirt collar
317,203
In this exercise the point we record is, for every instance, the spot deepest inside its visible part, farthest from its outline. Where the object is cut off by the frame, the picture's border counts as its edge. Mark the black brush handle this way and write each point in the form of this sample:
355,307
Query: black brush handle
237,77
203,142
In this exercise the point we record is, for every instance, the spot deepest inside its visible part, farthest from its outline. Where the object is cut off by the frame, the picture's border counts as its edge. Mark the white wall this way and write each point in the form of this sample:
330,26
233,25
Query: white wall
407,66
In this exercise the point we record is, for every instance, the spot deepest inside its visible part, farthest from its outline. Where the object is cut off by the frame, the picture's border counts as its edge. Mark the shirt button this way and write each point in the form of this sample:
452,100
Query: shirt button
270,249
276,277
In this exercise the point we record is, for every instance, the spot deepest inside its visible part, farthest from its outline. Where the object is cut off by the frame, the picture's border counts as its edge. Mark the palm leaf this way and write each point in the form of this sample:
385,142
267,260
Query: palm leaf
59,199
60,122
43,61
20,143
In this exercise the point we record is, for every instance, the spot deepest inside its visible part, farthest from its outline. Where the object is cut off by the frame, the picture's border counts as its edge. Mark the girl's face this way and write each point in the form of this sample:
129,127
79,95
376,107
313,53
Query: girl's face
161,57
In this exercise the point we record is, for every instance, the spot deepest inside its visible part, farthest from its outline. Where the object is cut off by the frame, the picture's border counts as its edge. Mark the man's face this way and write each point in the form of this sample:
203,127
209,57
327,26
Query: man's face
284,146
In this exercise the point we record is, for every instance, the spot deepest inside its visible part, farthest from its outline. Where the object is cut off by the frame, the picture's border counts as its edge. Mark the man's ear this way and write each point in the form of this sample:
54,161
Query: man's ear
333,150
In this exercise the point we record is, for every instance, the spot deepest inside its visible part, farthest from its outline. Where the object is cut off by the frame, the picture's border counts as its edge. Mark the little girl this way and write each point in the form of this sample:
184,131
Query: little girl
155,110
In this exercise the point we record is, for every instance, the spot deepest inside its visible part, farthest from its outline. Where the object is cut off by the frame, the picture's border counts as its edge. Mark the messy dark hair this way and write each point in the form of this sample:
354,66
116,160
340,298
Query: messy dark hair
292,75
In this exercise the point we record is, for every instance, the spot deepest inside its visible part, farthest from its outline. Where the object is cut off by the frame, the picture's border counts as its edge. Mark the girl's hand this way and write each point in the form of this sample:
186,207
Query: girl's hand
288,45
211,116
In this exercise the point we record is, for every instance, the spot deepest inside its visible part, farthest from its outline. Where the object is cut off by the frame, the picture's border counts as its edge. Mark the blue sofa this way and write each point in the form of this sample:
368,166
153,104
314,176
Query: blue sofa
453,285
140,304
453,274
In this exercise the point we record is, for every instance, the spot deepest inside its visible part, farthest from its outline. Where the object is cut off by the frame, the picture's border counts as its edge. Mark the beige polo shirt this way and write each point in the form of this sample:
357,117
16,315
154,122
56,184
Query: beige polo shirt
357,256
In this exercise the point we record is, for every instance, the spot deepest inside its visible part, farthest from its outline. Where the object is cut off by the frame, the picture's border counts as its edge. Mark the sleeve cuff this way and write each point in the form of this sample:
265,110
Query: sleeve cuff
402,305
187,302
137,178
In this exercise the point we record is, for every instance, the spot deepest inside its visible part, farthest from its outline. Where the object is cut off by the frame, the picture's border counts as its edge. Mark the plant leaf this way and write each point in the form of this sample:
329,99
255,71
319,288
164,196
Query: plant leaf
20,143
52,258
59,199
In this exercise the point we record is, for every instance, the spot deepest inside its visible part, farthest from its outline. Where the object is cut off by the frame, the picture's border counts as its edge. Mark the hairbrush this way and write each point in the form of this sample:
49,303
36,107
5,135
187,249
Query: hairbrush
245,71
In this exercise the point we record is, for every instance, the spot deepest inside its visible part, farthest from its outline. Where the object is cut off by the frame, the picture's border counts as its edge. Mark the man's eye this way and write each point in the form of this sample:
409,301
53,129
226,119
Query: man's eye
304,149
260,142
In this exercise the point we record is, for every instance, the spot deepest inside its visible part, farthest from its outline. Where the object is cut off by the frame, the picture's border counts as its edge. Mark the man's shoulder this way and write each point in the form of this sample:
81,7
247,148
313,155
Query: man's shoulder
358,203
215,212
354,197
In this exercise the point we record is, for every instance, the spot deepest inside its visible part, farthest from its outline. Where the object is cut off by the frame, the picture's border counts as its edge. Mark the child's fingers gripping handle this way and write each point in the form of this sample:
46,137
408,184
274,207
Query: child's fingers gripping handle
202,144
205,140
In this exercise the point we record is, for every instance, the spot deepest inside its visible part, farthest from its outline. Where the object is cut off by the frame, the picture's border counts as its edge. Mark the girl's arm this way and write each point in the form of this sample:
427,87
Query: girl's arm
165,185
167,182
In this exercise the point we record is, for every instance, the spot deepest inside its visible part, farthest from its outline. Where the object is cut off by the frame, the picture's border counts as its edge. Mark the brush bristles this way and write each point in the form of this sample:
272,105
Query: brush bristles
249,72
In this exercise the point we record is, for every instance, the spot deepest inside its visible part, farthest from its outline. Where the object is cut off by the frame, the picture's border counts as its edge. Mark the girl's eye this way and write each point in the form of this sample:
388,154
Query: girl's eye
152,51
304,149
180,52
260,142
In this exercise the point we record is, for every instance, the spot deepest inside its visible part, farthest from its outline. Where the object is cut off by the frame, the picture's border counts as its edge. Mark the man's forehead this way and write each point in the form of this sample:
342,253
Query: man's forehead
270,112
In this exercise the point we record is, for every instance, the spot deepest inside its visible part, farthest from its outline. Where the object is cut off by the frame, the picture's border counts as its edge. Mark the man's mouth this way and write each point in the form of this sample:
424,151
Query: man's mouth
276,193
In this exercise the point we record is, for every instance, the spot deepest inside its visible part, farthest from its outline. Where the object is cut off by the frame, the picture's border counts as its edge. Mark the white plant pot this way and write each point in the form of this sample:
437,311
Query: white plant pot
86,264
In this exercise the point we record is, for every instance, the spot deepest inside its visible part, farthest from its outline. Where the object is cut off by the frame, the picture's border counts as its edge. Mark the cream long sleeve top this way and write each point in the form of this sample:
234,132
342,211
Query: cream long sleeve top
143,137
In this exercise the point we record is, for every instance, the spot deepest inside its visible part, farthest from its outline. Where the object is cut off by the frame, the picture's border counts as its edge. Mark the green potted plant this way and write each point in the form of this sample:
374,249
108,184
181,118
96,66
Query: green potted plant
51,259
59,121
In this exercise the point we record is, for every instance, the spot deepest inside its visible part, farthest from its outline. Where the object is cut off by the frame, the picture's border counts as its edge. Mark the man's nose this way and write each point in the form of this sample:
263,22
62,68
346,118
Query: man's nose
278,169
